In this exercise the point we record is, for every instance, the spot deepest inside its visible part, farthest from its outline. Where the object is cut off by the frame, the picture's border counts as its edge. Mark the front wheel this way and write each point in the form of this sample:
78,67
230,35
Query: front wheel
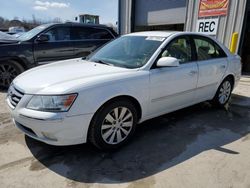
113,125
223,93
8,71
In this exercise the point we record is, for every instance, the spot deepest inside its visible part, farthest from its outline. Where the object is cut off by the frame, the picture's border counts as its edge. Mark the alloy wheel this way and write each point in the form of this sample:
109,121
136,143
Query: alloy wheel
117,125
225,92
7,74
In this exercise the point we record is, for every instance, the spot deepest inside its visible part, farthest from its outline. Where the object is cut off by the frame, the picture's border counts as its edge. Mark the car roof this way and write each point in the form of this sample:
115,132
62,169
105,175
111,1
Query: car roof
153,33
81,24
164,33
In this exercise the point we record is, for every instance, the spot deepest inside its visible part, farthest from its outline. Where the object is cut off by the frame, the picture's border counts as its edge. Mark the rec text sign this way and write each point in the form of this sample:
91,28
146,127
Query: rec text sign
207,26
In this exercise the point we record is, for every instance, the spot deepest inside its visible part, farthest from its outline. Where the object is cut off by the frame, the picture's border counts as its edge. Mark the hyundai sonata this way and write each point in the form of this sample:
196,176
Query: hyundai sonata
136,77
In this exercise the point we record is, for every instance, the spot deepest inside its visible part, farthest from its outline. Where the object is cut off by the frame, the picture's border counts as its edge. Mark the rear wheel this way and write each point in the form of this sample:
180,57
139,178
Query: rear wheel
113,125
8,71
223,93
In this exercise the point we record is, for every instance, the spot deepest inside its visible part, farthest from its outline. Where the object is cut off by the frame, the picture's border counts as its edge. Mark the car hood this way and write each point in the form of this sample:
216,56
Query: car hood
67,76
8,41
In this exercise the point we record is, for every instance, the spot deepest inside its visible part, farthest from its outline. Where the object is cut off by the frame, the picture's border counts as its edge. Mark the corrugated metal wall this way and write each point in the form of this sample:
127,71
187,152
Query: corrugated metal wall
229,24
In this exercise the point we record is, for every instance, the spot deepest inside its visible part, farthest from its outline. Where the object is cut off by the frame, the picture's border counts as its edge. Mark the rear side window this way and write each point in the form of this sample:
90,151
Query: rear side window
207,49
100,34
84,33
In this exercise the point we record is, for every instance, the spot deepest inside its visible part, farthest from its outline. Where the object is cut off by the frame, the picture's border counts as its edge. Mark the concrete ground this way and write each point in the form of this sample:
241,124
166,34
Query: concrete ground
198,147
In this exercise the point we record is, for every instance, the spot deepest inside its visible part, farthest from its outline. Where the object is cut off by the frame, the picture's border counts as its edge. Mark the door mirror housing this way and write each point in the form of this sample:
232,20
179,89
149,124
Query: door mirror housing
43,38
168,62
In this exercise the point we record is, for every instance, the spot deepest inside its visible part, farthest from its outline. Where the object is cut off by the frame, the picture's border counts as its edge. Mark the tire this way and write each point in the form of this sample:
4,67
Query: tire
113,125
8,71
223,93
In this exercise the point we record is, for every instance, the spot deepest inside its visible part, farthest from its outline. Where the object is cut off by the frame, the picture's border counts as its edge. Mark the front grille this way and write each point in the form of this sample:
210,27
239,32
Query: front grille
14,96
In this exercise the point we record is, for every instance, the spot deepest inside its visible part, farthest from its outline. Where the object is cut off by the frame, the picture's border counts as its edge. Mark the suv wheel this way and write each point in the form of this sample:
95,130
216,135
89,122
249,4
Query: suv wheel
8,71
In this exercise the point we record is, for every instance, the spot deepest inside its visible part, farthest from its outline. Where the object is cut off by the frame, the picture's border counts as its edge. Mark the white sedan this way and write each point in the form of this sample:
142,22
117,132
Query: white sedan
136,77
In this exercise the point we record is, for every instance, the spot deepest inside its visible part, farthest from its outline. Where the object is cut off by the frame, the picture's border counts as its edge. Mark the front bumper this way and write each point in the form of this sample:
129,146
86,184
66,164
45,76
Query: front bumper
49,127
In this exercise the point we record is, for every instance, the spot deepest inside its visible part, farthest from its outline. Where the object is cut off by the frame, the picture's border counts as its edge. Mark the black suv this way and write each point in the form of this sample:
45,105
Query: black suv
48,43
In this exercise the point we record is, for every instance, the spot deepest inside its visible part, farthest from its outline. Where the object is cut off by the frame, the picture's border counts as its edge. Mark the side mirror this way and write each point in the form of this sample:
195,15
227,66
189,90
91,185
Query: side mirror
43,38
168,62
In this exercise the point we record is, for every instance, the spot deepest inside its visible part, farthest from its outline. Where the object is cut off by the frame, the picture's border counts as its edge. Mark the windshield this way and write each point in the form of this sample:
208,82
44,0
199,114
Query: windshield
33,32
128,51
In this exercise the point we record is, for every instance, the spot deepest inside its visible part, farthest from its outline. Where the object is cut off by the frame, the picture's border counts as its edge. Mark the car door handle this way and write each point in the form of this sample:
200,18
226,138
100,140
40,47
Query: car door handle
191,73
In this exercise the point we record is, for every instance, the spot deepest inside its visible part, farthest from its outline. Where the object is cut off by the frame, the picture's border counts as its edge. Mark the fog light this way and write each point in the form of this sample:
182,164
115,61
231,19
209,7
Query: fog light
49,136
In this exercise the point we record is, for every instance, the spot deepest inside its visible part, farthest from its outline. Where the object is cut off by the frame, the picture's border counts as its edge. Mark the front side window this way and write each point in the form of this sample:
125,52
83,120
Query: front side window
206,49
180,49
59,34
128,51
33,32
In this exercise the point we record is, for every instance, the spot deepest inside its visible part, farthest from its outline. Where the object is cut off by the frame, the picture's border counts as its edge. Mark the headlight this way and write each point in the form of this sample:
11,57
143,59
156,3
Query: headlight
60,103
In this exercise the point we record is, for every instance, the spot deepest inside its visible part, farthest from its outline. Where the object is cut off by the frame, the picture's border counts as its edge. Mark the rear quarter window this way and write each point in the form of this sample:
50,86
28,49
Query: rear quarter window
85,33
100,34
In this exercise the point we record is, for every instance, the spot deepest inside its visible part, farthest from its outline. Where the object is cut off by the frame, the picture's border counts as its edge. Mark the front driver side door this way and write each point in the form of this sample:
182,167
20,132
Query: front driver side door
59,46
172,88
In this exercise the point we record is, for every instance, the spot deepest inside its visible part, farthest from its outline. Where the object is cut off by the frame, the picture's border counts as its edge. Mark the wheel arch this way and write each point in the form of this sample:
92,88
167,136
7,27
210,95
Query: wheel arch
16,59
231,77
134,101
116,98
214,100
22,63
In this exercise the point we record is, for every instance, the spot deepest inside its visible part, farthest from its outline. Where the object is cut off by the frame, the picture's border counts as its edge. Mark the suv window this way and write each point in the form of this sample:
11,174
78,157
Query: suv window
81,33
59,34
207,49
179,48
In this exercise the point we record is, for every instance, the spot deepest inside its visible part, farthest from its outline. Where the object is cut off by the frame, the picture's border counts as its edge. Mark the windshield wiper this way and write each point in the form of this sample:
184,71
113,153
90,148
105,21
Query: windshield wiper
102,62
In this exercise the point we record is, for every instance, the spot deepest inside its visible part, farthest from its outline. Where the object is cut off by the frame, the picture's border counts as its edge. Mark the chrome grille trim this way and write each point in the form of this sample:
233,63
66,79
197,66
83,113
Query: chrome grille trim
14,96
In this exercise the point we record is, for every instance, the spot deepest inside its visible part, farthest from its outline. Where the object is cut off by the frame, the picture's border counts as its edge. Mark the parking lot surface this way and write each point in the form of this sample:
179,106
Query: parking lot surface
199,146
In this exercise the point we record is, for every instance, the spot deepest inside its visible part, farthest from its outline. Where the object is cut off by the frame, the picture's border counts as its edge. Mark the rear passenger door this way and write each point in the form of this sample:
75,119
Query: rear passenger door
87,39
57,48
212,64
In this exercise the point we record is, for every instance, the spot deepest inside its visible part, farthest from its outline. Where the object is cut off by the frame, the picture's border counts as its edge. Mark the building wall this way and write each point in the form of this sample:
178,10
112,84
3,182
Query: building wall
124,18
245,41
141,13
229,24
